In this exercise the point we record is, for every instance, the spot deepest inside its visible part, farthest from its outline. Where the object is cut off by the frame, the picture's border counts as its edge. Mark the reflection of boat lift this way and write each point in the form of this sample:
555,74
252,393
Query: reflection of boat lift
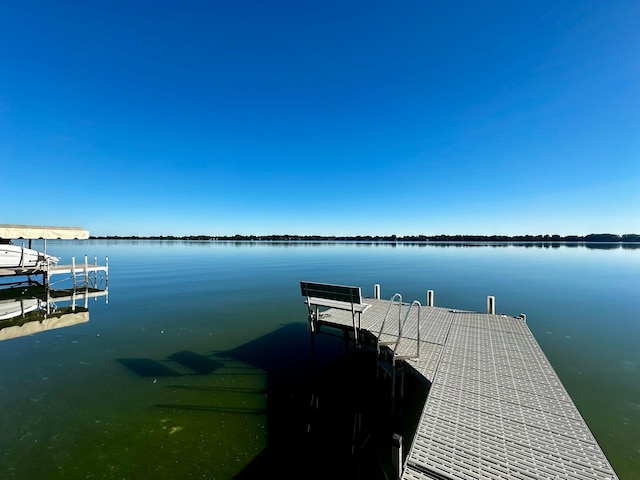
18,261
26,311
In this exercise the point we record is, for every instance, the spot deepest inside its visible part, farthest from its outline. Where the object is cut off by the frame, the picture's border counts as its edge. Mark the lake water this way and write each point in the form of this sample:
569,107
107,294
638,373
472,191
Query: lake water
198,365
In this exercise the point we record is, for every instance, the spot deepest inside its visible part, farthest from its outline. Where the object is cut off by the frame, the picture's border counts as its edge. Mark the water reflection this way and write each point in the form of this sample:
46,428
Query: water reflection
29,310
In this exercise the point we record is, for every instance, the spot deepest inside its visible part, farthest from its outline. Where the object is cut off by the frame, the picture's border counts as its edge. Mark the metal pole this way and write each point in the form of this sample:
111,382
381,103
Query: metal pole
429,298
376,291
48,300
396,454
491,305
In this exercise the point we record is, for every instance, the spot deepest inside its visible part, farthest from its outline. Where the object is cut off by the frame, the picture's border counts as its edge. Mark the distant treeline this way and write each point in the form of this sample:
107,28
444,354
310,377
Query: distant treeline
591,238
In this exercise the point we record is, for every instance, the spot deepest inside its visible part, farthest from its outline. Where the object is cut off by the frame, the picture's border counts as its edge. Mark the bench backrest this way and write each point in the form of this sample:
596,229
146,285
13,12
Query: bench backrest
341,293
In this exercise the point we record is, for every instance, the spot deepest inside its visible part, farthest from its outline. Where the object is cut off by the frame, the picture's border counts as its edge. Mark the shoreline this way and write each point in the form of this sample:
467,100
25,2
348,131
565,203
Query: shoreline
591,238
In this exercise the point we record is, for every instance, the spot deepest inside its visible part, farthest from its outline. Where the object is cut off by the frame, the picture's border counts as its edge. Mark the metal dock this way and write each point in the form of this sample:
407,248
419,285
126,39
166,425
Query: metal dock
83,273
495,409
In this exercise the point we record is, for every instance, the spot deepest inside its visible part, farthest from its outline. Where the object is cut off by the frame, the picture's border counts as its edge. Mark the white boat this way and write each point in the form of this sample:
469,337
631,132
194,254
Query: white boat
14,256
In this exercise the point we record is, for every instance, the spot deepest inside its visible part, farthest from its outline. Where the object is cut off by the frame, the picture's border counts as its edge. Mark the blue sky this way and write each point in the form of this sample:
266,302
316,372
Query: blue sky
331,117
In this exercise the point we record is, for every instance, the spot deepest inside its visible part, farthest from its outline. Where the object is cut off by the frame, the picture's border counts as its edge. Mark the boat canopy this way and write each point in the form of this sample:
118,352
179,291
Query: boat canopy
48,233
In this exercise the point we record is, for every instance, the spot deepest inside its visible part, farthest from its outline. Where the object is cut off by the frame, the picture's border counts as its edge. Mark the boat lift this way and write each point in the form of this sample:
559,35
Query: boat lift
26,262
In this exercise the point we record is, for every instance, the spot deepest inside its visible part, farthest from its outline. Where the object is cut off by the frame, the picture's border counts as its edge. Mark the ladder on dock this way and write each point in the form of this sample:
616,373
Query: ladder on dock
395,345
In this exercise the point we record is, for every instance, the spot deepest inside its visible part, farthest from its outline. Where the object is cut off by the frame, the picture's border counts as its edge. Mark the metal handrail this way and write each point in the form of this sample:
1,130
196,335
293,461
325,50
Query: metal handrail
389,309
401,327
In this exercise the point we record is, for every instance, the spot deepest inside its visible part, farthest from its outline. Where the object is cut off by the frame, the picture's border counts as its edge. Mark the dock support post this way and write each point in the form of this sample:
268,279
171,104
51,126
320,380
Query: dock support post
396,454
429,298
73,270
376,291
491,305
313,403
346,339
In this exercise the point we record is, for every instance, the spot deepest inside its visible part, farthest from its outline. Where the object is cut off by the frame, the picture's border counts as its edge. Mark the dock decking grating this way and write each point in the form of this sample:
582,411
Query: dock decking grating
496,408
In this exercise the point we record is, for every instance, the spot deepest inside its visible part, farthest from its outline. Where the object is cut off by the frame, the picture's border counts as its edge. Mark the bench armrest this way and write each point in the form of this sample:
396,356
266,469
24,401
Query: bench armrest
323,302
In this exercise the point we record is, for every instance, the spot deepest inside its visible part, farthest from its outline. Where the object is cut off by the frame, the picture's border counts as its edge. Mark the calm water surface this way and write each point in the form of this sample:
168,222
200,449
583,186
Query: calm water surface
198,364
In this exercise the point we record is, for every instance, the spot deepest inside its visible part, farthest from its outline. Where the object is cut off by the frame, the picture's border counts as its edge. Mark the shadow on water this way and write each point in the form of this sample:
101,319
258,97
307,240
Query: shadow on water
328,414
217,389
146,367
209,408
195,363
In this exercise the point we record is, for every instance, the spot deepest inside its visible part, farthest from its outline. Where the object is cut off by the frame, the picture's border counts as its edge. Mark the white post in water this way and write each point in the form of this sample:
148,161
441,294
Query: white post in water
376,291
491,305
106,272
396,455
73,270
429,298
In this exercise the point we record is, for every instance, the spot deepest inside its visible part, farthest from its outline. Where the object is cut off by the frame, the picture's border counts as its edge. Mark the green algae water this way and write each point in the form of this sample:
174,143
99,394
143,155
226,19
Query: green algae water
198,363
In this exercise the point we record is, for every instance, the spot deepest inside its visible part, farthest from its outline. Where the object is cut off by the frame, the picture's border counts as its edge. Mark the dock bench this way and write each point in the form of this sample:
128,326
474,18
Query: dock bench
341,297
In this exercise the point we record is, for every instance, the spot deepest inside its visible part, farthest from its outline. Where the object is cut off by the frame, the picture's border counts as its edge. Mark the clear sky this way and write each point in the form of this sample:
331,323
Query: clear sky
321,117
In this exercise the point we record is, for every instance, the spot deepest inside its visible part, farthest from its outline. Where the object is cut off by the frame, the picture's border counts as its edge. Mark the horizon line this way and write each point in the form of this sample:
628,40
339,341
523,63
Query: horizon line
592,237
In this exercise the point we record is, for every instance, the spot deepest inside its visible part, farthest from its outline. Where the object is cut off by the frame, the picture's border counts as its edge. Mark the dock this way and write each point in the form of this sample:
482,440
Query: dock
84,273
495,409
